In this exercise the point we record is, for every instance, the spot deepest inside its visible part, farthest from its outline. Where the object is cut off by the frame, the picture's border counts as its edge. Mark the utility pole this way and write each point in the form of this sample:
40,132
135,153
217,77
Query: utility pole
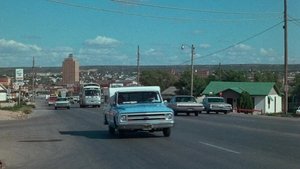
192,70
33,79
138,65
220,72
285,27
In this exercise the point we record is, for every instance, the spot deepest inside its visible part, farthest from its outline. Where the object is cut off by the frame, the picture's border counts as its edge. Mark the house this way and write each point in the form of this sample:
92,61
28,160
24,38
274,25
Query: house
265,95
3,93
5,80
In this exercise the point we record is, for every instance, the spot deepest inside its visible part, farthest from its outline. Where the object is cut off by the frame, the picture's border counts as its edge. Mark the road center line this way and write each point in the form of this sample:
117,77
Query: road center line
220,148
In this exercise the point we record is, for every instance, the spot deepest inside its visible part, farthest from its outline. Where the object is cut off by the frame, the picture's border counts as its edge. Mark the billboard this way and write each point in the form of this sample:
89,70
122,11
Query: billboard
19,75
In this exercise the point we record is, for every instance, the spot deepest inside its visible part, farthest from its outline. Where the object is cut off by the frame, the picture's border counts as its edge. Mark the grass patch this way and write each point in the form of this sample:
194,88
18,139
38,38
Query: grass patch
26,109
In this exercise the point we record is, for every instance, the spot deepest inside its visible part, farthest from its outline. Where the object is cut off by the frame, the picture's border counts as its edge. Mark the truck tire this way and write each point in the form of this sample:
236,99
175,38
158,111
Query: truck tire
167,132
196,113
105,120
122,133
111,130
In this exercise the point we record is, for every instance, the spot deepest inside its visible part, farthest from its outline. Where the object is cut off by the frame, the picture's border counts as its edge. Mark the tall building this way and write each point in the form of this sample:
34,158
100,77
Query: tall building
70,71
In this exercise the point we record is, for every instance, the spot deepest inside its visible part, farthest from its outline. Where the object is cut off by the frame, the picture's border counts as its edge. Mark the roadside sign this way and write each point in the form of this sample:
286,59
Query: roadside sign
20,77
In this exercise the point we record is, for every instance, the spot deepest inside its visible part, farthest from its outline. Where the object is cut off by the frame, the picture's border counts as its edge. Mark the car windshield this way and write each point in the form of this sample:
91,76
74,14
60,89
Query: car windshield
62,99
138,97
185,99
215,100
52,98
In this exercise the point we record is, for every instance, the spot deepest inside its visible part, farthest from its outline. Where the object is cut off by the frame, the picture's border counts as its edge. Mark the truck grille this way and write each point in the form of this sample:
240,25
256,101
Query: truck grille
141,117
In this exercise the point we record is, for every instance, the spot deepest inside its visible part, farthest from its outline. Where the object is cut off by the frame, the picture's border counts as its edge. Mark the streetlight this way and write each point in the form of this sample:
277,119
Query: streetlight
192,65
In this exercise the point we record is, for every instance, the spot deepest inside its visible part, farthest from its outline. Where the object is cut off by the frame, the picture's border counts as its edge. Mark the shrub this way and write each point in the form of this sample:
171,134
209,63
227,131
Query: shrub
26,109
246,102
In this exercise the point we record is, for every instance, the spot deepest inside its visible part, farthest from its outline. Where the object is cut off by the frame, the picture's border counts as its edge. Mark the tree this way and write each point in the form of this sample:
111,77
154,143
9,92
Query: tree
245,101
229,75
234,76
268,77
295,91
160,78
184,84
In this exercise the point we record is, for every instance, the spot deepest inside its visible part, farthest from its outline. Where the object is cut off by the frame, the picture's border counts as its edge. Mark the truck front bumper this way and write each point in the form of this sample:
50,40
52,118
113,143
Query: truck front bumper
145,126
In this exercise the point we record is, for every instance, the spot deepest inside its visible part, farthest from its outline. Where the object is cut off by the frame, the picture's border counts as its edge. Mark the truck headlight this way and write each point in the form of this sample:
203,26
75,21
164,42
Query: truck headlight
123,118
169,116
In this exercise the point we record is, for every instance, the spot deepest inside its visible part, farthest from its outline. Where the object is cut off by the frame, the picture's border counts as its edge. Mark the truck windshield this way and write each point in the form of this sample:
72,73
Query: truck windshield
138,97
92,92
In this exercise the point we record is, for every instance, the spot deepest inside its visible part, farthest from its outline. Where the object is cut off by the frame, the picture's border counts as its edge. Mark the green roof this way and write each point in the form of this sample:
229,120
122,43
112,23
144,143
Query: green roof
253,88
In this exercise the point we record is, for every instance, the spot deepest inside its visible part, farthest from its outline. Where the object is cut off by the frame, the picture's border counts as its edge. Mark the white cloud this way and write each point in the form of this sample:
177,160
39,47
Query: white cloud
204,46
240,51
267,52
8,46
153,52
102,41
242,47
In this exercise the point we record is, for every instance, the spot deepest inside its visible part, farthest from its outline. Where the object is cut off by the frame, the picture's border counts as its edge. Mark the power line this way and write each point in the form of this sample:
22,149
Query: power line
158,17
233,45
295,21
194,10
116,11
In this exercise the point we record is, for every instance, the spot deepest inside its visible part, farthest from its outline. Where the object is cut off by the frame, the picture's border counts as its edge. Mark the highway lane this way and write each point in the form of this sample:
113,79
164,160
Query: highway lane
77,138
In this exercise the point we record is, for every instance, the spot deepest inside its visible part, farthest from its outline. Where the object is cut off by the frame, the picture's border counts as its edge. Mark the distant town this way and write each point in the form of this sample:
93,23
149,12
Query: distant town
51,80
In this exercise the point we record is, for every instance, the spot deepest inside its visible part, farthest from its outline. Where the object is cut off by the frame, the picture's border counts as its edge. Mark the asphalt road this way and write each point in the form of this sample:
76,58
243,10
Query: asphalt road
77,138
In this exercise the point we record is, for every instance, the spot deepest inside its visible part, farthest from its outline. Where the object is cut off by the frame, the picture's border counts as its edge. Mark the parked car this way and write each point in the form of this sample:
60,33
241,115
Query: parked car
62,102
216,104
51,100
298,110
75,99
185,104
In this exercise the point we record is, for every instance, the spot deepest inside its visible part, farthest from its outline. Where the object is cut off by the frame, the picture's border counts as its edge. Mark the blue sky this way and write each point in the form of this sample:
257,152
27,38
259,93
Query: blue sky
107,32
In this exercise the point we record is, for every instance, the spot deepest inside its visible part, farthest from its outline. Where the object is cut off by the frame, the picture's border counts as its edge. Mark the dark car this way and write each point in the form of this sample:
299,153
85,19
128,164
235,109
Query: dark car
185,104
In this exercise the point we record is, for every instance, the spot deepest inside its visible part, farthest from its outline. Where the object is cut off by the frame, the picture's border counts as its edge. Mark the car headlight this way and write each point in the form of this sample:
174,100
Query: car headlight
123,118
169,116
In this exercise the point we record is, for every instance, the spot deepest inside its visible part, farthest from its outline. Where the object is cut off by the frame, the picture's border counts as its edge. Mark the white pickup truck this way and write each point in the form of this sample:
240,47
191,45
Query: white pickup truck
138,108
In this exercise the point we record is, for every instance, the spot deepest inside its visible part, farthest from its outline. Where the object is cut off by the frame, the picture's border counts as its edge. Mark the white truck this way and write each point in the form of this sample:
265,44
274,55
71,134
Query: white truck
138,108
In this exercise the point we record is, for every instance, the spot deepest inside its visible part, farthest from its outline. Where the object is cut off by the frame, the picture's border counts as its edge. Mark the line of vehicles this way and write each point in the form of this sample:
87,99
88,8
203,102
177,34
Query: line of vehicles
141,108
90,95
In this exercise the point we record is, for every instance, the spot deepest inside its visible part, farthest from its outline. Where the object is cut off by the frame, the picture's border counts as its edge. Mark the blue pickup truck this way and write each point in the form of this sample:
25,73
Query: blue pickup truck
138,108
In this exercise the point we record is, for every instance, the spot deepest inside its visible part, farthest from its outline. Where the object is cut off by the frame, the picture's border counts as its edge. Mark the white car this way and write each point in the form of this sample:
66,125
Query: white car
62,102
298,110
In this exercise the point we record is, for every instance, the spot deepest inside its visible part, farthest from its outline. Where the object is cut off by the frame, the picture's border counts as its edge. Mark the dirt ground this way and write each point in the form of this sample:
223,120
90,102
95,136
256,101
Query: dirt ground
10,115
